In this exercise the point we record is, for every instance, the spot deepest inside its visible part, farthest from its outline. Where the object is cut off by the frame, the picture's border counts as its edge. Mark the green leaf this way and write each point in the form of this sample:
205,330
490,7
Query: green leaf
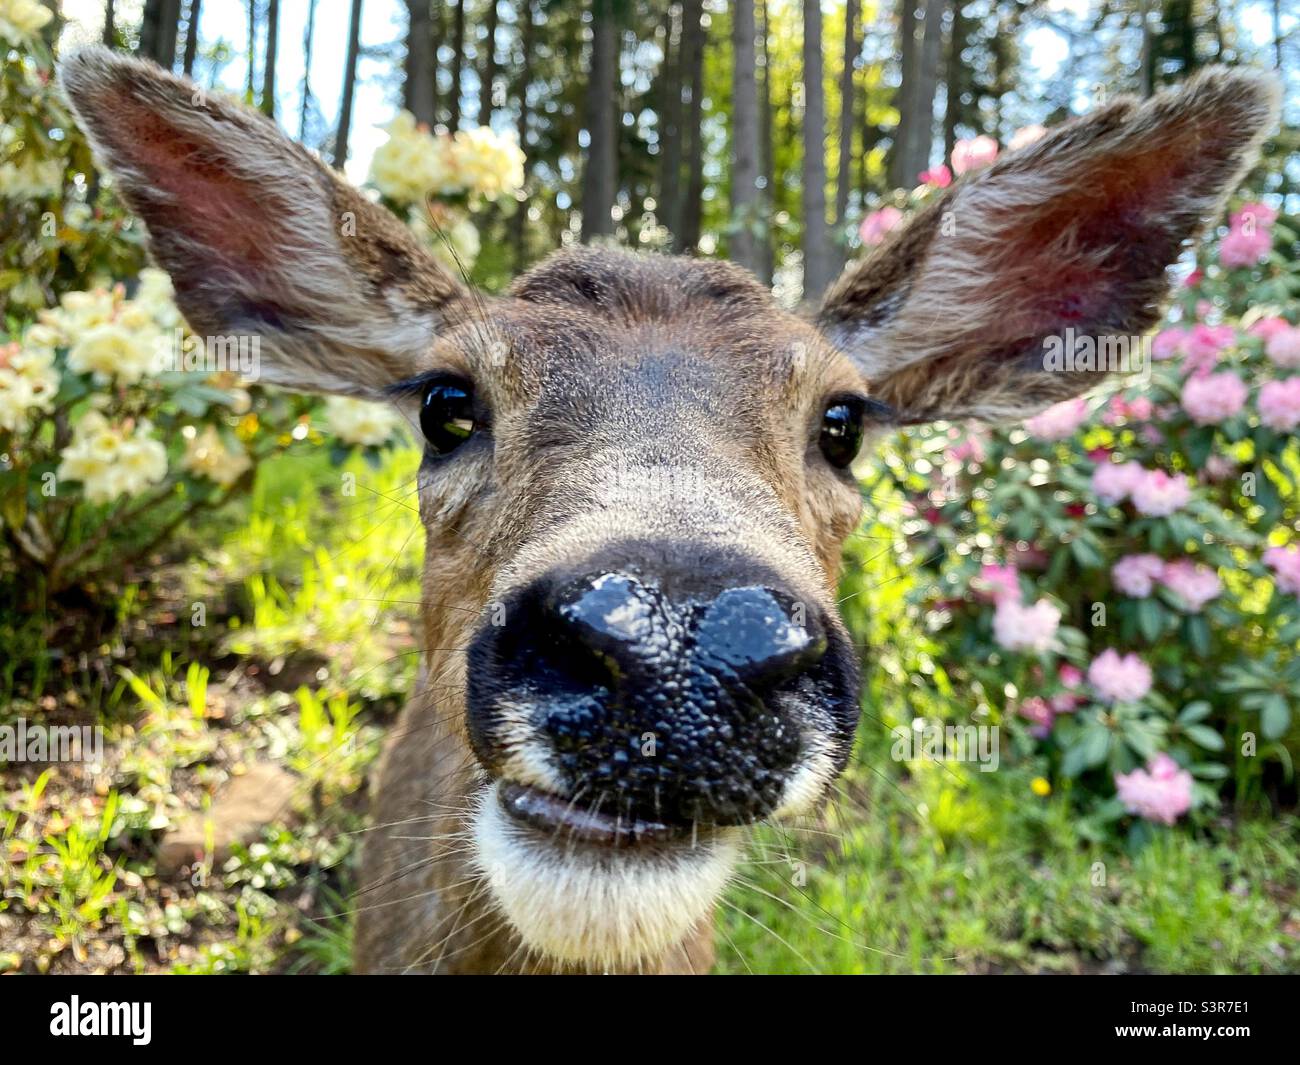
1275,718
1193,712
1204,736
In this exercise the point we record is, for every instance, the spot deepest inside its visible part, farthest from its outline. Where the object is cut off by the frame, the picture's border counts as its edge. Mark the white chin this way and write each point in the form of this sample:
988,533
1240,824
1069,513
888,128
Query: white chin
602,908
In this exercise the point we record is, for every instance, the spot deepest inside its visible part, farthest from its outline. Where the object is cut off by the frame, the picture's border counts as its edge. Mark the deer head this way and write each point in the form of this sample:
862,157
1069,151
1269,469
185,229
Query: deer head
636,478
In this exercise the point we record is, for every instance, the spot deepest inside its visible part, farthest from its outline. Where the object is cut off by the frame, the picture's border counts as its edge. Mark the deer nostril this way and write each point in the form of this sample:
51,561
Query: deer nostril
760,635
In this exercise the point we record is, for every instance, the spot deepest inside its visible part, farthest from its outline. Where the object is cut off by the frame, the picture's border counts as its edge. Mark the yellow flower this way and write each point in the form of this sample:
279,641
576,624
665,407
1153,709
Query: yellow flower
111,461
412,164
355,421
22,19
28,381
123,350
206,455
1040,787
488,163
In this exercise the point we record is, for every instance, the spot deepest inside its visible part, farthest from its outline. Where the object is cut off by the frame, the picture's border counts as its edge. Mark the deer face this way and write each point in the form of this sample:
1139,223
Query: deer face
635,483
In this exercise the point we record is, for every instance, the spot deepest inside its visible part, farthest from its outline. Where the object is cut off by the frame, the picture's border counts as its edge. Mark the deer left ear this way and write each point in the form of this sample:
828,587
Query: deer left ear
951,317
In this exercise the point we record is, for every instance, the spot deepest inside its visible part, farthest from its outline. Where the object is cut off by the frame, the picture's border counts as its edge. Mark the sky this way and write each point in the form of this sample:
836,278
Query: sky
384,22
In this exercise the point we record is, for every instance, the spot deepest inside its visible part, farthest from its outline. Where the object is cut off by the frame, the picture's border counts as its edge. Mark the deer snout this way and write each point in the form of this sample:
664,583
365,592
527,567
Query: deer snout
661,707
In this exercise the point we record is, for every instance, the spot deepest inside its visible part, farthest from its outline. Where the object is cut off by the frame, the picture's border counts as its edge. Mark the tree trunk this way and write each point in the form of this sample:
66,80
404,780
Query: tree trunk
488,78
672,117
191,37
600,176
457,64
527,35
912,152
847,113
110,29
765,161
268,61
694,39
747,216
954,79
307,41
900,153
817,250
340,155
251,81
418,89
158,31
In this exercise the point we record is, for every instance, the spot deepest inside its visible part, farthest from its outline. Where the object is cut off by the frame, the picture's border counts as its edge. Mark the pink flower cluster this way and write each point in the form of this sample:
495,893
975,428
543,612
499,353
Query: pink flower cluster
1199,345
1281,341
1042,711
1119,679
997,583
1194,585
1249,236
937,177
1018,627
878,223
1132,410
1279,404
1212,398
1136,575
1154,493
973,154
1059,421
1162,792
1285,564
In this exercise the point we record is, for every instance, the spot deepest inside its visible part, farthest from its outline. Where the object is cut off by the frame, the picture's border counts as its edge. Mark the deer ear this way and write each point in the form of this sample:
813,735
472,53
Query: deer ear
260,238
951,317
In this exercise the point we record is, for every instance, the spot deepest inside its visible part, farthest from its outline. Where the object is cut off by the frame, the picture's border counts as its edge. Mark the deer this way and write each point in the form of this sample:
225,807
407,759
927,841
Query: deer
636,484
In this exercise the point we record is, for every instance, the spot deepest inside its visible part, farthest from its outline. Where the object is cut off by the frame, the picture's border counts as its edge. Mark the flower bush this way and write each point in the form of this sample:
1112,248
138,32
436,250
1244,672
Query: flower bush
113,434
1115,581
436,181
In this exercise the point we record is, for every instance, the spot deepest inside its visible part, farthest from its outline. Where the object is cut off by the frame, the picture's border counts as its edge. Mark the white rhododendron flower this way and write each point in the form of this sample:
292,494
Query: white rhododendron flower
112,460
206,455
22,19
356,421
412,163
114,350
28,382
455,242
489,163
31,179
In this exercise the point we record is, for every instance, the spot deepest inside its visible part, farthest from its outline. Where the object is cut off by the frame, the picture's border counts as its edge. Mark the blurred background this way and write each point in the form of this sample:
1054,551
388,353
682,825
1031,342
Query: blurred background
220,581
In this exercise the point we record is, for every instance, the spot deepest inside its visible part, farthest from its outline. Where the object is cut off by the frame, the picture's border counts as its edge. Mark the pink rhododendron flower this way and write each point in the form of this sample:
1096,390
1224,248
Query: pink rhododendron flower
998,583
1159,494
1114,481
1194,585
974,153
1058,421
1119,679
1193,279
1162,792
1279,404
1067,702
1244,247
1203,345
1026,135
1169,342
1070,676
1285,564
1218,468
1135,575
1214,397
937,177
1267,327
1037,710
878,223
1252,216
1282,346
1025,628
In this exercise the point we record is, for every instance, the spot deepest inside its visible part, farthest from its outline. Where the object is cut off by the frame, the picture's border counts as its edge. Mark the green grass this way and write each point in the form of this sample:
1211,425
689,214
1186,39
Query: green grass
915,867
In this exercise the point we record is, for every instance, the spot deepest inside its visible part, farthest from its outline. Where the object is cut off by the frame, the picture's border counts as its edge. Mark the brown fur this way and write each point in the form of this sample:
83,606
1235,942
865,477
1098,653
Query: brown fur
601,361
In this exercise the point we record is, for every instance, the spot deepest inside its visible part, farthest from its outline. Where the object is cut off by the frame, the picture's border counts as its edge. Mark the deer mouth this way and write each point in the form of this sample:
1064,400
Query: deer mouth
571,821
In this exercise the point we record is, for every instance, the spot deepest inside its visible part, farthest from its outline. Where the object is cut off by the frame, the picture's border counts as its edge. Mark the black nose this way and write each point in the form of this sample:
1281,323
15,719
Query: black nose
664,707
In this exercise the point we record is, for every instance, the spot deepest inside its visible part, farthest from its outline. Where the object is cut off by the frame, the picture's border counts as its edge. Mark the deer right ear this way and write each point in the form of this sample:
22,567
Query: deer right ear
952,317
258,236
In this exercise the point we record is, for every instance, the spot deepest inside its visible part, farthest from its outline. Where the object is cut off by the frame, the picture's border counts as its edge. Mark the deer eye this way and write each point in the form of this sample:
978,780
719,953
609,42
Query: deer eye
447,413
842,430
